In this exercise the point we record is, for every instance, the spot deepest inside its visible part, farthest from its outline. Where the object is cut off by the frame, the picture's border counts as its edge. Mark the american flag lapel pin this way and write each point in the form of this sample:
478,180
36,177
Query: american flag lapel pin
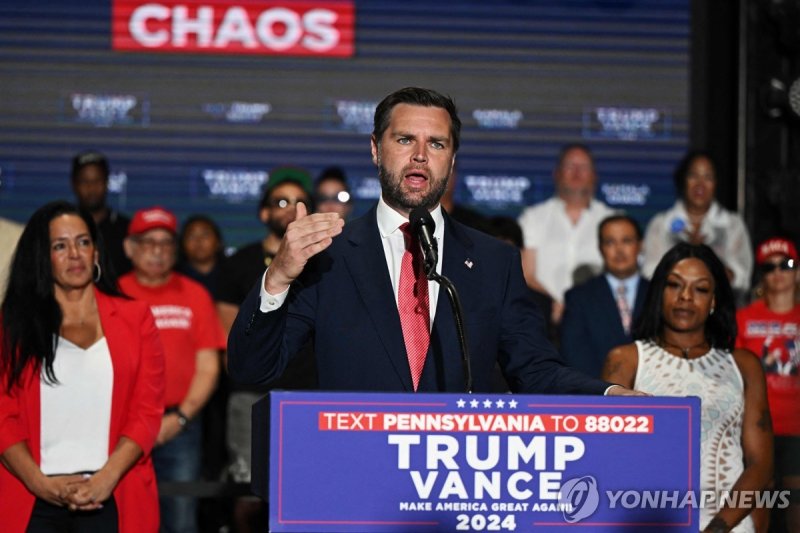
469,263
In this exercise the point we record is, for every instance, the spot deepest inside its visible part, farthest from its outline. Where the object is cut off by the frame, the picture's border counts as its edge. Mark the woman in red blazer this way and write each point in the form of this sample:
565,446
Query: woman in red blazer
51,295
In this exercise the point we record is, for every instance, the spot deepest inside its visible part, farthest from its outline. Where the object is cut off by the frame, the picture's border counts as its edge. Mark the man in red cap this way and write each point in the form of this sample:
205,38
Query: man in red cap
770,327
192,338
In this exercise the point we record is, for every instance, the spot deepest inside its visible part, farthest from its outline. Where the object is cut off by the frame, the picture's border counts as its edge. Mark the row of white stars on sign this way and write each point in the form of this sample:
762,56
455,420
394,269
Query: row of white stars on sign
487,403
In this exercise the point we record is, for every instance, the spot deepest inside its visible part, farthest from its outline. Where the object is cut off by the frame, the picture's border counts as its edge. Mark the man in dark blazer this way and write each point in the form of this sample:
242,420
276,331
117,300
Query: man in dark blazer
593,321
340,286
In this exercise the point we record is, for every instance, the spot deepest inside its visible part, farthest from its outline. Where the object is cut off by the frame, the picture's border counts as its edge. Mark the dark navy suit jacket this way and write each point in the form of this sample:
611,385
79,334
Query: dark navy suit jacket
591,325
344,302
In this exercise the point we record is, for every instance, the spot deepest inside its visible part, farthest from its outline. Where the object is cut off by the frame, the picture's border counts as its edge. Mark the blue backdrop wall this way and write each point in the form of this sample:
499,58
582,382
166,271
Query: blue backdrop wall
199,132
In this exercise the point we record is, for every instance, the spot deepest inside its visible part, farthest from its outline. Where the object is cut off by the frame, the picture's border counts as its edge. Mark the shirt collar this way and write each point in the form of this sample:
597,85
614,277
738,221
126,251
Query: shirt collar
711,215
631,283
590,208
390,220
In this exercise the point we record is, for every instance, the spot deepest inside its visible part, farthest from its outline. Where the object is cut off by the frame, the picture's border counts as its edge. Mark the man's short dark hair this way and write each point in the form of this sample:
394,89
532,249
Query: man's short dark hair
90,157
420,97
286,174
619,218
333,174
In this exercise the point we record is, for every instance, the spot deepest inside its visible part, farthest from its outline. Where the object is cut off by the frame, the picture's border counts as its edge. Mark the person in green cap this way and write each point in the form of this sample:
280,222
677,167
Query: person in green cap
285,188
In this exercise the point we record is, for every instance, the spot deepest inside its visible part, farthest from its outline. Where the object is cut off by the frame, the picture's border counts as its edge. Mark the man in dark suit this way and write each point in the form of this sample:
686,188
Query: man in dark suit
347,292
600,313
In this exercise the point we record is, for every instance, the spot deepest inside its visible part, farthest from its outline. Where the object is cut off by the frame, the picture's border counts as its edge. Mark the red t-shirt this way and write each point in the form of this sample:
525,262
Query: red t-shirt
775,338
187,322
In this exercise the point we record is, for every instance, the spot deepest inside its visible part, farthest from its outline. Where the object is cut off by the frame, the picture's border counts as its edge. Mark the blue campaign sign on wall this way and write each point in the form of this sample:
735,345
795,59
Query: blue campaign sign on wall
368,462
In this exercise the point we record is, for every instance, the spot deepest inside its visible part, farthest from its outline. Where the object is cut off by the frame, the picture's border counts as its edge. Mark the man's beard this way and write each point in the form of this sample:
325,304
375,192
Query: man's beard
392,192
276,228
93,205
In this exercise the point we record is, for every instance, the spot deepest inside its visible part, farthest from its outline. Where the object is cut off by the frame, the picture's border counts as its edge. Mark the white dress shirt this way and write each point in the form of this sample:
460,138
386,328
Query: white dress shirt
560,245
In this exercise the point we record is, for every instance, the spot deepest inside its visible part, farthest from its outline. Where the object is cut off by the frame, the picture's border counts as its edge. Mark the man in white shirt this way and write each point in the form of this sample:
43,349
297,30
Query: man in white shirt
561,232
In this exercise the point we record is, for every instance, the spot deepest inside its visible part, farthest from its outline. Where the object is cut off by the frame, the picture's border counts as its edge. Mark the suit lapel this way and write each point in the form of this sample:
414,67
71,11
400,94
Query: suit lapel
457,250
107,309
366,263
114,331
365,260
608,303
110,319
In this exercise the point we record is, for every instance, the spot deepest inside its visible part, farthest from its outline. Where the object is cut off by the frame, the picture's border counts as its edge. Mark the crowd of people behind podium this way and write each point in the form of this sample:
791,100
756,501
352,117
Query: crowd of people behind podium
605,286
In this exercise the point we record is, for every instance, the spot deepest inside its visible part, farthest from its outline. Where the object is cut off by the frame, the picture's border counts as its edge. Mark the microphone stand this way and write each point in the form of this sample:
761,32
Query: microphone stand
458,314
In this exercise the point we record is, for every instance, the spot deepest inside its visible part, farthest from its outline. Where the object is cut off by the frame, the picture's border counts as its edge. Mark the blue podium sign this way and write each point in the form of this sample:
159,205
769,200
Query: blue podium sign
370,462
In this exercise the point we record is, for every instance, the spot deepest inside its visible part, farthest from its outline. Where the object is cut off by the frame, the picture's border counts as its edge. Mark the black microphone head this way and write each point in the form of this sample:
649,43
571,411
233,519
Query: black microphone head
420,216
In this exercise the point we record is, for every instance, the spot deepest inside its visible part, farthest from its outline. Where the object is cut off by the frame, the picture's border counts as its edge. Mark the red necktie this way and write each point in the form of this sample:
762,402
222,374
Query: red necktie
624,308
413,305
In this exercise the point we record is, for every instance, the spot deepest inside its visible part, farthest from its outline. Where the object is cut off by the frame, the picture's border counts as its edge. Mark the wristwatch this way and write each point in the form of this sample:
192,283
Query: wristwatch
183,420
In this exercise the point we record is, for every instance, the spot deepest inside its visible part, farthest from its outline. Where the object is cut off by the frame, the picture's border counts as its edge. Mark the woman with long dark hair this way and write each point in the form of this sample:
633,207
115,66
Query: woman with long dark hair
685,347
81,387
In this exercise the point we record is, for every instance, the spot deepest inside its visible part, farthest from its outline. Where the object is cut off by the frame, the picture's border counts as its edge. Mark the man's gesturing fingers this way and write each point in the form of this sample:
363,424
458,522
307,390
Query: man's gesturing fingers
300,211
305,237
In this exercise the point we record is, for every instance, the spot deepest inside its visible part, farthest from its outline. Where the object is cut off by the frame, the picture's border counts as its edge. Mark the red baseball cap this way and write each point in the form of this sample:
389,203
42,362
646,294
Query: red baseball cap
775,245
152,218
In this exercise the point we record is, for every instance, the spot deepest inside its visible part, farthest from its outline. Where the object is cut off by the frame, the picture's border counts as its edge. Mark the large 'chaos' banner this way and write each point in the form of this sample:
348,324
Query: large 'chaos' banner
448,462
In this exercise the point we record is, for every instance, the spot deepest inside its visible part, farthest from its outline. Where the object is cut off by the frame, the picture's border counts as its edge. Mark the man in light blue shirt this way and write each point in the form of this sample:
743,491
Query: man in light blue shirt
601,313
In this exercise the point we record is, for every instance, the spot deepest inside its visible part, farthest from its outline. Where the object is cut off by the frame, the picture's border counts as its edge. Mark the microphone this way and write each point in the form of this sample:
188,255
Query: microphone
423,226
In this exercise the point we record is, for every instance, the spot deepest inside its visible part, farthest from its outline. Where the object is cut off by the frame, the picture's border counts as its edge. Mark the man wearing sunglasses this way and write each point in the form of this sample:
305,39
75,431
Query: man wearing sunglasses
770,327
285,188
331,193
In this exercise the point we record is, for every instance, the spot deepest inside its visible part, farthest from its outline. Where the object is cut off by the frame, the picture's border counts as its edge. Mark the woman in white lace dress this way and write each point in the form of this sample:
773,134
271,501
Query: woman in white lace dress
685,347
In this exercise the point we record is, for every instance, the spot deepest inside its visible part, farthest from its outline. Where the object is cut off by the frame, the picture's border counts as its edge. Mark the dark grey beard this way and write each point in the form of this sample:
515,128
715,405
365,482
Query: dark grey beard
394,197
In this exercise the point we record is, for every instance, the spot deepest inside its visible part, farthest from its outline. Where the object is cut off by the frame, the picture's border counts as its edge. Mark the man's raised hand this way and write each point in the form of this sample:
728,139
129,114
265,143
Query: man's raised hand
307,236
